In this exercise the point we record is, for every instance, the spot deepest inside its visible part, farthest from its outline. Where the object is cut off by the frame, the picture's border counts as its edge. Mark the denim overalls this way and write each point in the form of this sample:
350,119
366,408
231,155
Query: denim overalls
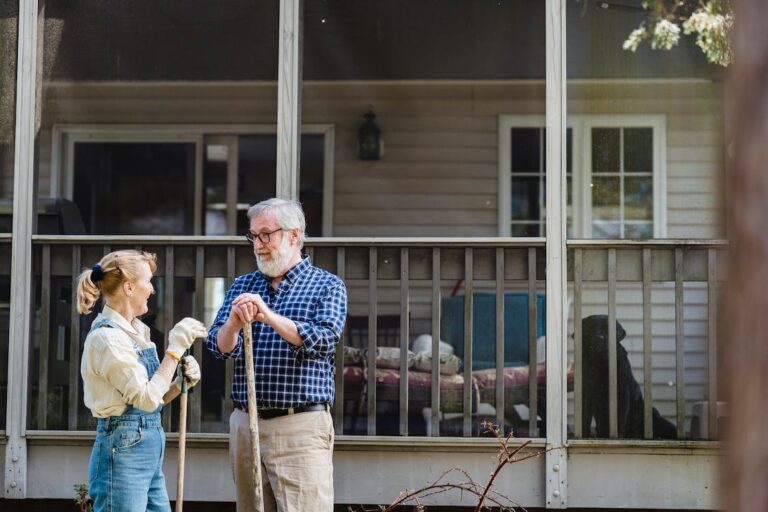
125,472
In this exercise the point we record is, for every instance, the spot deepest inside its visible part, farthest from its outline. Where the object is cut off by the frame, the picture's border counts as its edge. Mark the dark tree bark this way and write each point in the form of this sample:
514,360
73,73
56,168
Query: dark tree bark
744,320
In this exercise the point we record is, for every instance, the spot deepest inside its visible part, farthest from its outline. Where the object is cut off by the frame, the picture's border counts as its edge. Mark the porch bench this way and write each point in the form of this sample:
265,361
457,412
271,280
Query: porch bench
388,396
516,392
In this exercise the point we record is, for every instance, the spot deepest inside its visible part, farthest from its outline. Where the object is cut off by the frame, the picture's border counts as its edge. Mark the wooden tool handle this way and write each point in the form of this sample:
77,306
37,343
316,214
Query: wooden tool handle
253,421
182,449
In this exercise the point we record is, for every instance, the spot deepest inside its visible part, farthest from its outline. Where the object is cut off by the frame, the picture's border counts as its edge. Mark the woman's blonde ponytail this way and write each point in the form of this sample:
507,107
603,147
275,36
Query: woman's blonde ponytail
109,274
87,292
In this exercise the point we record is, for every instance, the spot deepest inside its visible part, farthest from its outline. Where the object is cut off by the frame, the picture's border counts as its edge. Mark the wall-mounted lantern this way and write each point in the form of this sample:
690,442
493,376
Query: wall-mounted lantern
369,143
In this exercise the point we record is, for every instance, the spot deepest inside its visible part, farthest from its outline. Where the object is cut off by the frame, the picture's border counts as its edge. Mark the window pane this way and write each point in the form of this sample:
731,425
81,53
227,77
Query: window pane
638,150
606,230
526,230
638,198
605,199
526,150
105,191
215,188
640,230
311,181
525,199
605,150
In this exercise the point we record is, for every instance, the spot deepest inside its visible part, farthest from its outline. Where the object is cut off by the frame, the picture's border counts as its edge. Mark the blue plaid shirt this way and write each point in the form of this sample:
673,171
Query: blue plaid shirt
286,375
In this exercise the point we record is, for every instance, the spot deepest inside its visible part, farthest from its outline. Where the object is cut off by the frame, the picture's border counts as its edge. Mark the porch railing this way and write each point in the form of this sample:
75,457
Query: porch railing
680,268
474,294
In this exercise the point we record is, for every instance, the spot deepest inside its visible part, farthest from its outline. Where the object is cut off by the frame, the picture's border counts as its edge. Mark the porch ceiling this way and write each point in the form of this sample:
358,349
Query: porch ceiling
360,40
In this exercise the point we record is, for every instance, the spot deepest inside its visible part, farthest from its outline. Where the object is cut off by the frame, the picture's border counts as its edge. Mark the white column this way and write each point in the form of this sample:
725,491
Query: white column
289,98
21,253
556,457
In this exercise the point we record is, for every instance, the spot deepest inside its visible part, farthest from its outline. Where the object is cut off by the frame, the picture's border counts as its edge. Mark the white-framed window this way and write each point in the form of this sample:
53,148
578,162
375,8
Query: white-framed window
615,176
183,180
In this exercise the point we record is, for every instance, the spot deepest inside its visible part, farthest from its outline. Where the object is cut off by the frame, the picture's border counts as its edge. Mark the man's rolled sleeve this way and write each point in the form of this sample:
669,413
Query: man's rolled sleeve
211,342
323,332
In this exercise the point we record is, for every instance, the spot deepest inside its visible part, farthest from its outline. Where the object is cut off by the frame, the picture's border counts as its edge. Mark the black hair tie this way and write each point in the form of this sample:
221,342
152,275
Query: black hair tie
97,274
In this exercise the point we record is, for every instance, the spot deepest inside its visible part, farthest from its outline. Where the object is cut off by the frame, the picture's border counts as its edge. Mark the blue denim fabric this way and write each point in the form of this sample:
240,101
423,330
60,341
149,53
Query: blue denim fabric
125,470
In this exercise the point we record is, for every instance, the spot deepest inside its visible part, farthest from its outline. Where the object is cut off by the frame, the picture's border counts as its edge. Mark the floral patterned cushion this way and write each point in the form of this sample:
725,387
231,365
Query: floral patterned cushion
451,386
515,383
419,387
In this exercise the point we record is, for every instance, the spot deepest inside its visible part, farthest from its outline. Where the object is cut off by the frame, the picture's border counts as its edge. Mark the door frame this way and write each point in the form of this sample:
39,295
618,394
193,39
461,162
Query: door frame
64,137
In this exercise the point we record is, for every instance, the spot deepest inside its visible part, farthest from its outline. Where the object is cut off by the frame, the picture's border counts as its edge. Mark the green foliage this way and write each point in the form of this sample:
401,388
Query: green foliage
710,21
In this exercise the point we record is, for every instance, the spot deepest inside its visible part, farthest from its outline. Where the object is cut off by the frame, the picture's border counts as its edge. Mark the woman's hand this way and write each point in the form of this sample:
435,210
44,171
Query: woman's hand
191,373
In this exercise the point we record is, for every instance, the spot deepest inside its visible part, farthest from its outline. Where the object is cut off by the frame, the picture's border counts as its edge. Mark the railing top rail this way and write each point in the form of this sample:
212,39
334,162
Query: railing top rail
314,242
658,243
369,241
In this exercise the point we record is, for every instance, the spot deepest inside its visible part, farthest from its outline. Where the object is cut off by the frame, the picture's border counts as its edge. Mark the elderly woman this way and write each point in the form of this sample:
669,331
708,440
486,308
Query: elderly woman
125,385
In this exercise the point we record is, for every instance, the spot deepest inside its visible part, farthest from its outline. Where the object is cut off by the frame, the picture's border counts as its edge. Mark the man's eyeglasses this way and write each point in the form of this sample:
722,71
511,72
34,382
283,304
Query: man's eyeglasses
263,237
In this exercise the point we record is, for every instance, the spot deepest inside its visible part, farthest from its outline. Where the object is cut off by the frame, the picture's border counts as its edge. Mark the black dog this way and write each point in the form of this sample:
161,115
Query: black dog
594,402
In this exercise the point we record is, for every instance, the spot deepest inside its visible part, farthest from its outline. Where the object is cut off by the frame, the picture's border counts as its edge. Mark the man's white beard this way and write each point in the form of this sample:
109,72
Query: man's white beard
279,261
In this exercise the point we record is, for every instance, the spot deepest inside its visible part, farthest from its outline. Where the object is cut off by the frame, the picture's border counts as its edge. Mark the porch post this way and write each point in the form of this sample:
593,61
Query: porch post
21,252
557,286
289,97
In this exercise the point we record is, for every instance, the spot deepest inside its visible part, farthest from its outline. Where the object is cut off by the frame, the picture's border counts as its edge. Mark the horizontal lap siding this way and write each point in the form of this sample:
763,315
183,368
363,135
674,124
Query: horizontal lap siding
439,173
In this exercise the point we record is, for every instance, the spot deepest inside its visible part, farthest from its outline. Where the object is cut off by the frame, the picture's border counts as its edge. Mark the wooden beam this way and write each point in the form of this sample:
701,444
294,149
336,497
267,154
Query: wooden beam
556,285
289,98
24,205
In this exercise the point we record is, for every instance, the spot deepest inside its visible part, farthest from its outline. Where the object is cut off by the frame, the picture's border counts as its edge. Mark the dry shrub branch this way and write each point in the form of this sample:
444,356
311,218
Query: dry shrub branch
487,497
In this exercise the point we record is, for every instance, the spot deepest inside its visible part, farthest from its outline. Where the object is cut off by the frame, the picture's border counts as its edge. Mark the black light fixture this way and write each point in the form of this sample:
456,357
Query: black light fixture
369,143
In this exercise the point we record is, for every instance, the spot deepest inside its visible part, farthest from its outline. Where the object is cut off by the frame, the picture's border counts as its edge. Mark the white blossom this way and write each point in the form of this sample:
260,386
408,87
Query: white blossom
711,22
634,39
666,35
711,29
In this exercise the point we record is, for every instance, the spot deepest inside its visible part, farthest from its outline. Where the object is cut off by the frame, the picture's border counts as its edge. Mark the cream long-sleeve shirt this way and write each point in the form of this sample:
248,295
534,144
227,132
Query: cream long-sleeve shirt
113,377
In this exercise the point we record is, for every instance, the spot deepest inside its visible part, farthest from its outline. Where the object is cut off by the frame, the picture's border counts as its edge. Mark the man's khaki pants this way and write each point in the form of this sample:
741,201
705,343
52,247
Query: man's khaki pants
296,462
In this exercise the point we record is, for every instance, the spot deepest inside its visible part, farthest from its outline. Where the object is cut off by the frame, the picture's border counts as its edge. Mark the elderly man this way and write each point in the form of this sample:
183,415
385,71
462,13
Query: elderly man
298,313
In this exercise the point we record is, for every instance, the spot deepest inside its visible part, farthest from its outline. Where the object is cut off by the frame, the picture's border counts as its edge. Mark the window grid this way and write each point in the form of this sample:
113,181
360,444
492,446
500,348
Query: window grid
621,174
540,174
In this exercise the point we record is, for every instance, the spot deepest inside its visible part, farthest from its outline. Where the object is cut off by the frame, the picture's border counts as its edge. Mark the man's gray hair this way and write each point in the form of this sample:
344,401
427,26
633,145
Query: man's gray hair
288,213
